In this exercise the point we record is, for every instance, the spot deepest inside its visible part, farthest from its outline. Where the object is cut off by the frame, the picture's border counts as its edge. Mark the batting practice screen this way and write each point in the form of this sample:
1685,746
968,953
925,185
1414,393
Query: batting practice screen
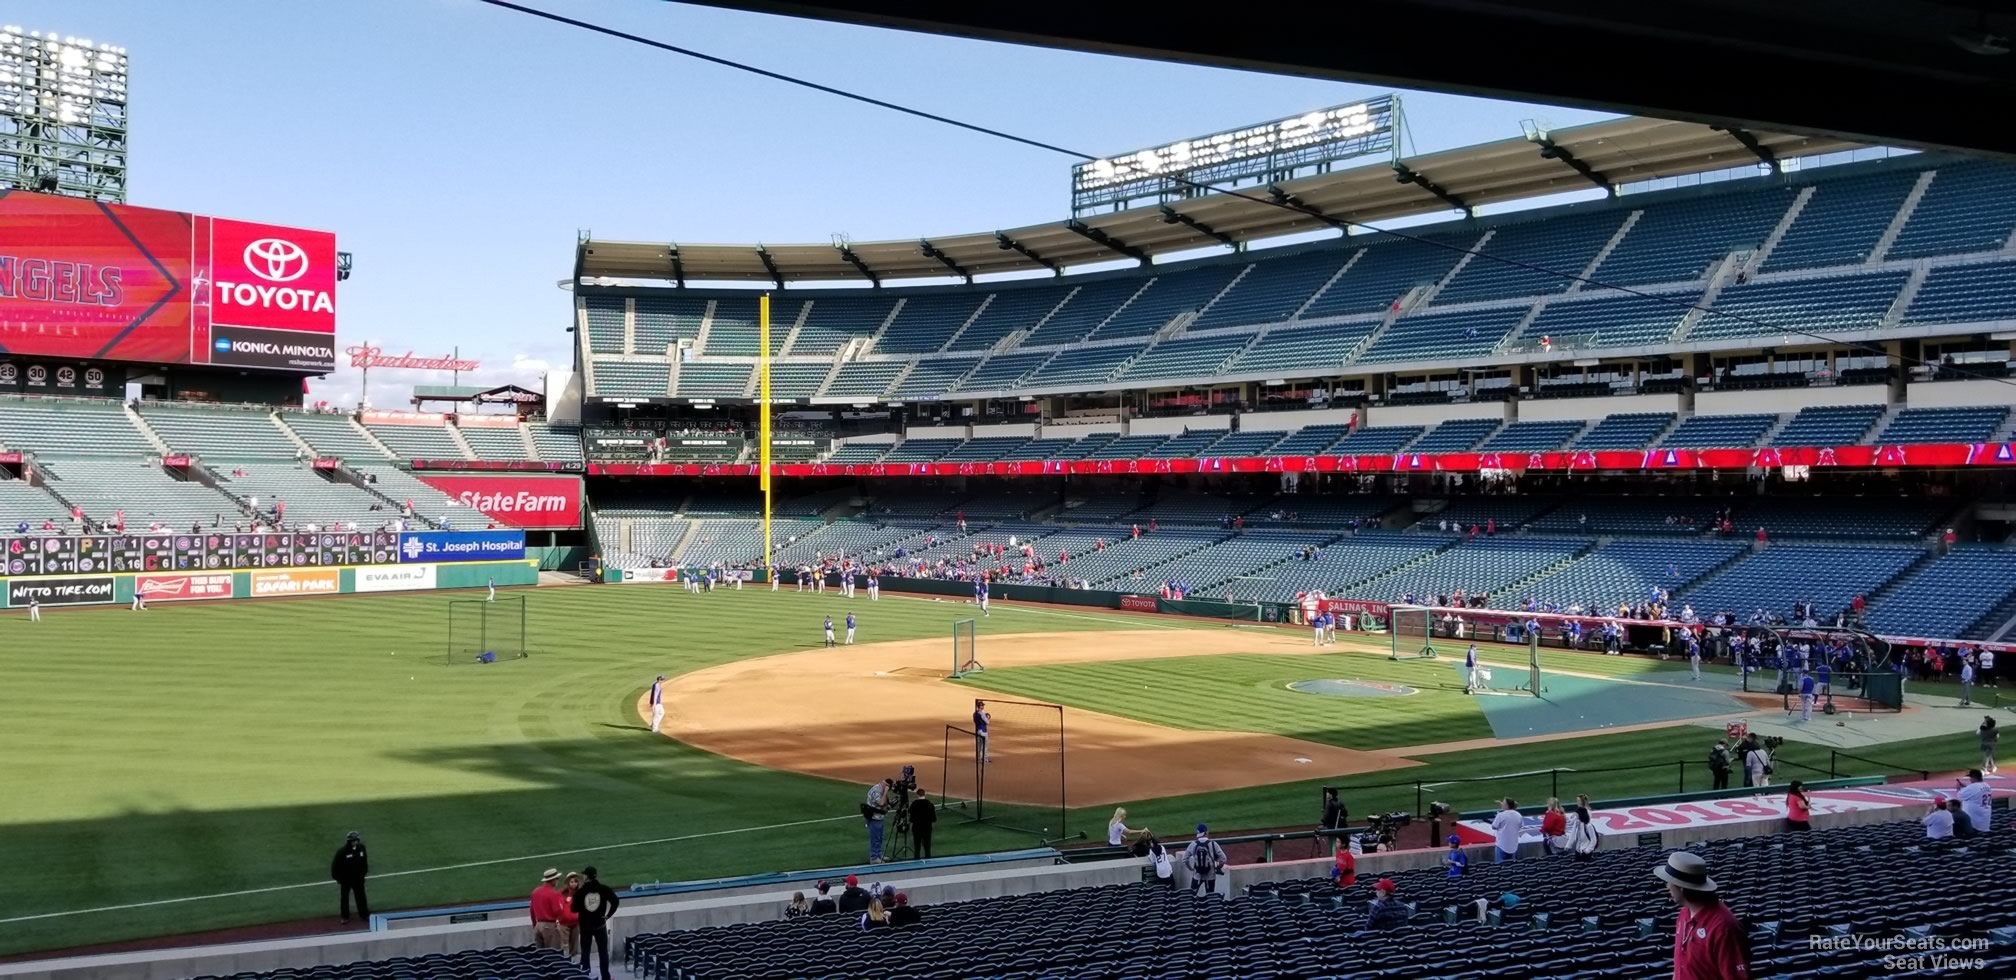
1014,777
484,628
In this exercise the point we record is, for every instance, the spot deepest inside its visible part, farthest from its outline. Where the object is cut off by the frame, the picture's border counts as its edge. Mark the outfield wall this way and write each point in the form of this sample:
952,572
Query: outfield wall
57,592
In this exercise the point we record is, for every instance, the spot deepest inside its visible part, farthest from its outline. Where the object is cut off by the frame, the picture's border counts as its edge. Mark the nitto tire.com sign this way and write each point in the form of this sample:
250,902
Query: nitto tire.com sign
94,590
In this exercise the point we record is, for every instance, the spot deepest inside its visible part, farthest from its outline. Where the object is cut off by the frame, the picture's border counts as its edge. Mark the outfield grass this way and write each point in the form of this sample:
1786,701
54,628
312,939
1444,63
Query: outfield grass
202,749
194,750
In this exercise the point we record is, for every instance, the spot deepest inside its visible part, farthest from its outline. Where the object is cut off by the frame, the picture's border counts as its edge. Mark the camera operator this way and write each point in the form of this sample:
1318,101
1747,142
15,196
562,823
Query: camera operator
1334,814
873,809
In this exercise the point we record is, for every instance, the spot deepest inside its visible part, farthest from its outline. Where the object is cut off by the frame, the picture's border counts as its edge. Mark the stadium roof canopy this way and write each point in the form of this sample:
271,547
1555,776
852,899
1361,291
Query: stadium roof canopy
1603,154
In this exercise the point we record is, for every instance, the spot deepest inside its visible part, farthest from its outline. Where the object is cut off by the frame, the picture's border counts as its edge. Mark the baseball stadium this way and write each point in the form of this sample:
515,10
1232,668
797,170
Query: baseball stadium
1322,557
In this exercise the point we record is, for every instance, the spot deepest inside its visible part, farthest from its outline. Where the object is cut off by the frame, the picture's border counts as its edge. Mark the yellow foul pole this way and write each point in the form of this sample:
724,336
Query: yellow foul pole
763,422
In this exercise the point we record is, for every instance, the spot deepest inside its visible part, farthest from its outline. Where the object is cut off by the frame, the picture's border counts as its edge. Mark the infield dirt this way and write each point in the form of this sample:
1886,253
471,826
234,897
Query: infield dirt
860,713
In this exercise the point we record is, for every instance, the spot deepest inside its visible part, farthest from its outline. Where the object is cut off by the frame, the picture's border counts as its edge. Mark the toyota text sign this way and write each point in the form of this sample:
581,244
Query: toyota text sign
84,279
531,502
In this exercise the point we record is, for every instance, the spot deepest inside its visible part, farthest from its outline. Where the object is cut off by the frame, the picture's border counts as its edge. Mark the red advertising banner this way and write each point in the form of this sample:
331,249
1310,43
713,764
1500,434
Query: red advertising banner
84,279
531,502
1138,603
1931,455
181,588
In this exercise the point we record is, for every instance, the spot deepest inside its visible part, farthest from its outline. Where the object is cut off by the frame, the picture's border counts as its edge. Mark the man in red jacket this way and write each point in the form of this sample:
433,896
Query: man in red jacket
548,908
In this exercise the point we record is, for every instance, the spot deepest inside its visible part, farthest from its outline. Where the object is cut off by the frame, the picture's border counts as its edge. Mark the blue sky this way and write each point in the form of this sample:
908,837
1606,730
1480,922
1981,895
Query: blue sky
457,148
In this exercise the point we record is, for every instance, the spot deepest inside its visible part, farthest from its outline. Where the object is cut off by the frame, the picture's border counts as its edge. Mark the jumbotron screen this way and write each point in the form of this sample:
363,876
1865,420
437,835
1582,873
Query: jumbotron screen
86,279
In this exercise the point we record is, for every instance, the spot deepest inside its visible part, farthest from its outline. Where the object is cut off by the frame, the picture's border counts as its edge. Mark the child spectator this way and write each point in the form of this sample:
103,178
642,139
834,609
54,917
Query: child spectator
1456,861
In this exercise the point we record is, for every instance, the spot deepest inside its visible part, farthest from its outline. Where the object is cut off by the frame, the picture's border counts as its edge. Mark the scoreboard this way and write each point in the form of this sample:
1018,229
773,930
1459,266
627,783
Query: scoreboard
186,552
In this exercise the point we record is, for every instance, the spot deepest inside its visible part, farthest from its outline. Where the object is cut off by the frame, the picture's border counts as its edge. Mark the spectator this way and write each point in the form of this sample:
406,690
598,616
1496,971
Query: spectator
570,924
852,898
1506,827
1206,861
1989,736
823,905
1344,866
1455,861
1387,911
1938,822
799,907
874,916
1582,834
1553,828
594,904
1976,799
923,816
1962,826
1707,939
1798,807
1118,833
904,914
1718,763
349,868
1158,858
545,910
1756,765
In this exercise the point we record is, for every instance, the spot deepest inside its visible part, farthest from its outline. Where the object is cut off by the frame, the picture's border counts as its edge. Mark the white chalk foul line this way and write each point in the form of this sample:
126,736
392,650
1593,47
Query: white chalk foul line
129,906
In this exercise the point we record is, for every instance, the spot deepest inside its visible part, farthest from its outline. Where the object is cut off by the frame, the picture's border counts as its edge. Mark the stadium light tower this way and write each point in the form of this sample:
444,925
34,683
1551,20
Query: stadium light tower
62,115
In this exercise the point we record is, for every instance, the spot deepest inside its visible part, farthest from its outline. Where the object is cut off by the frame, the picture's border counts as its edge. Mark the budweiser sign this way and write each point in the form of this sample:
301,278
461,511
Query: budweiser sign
534,502
367,356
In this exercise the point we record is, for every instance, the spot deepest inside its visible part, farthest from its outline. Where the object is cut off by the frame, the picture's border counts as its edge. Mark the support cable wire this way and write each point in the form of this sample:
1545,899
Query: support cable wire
1862,347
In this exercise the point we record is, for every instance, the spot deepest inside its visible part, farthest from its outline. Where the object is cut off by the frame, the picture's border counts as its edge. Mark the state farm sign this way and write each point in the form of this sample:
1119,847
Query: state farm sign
532,502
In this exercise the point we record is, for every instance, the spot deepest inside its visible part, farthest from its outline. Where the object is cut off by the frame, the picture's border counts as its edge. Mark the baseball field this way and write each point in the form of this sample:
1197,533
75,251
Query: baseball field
192,767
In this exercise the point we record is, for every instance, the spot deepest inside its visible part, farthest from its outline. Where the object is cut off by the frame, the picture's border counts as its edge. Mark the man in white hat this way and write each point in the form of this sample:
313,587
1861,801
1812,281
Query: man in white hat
1708,940
548,905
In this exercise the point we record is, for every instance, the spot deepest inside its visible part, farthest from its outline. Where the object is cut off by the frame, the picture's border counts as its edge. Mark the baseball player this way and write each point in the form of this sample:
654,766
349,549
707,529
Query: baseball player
850,629
139,599
980,720
1316,624
1329,629
1473,678
829,631
1693,654
657,703
493,591
874,587
34,608
774,584
980,595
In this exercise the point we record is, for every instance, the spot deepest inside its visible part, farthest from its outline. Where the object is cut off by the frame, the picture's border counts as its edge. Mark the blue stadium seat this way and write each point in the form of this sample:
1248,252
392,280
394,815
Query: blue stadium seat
1840,303
1443,336
664,321
1954,595
1921,425
1455,436
1545,251
1087,308
1842,221
1607,318
1829,425
605,323
1681,240
1631,430
1966,294
927,321
1719,432
1970,207
1169,295
1274,288
1385,272
1314,349
1533,437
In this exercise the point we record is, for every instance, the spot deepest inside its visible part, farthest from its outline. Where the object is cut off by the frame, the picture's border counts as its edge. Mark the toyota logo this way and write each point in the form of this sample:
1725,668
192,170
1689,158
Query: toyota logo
276,260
